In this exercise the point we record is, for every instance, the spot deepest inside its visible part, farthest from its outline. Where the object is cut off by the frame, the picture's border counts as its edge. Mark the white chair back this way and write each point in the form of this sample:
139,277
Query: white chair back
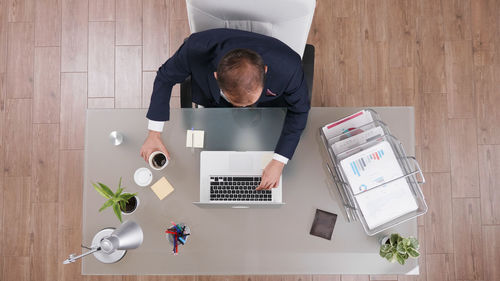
286,20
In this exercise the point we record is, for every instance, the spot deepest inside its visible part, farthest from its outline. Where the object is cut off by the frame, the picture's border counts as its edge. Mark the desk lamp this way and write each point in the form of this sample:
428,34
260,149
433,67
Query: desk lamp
110,245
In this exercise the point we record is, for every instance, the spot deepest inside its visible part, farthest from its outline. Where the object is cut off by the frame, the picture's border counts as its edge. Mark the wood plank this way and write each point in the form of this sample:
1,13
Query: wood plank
435,139
384,277
467,238
440,267
70,240
74,99
20,59
430,56
402,86
484,17
128,77
156,34
375,53
263,278
322,35
17,138
101,103
179,31
491,245
347,54
16,268
3,102
21,10
43,258
148,79
489,176
48,23
401,32
167,278
70,190
177,9
220,278
101,59
438,221
101,10
457,19
487,89
74,36
45,166
355,278
4,31
326,277
463,158
129,22
47,88
459,79
297,278
16,215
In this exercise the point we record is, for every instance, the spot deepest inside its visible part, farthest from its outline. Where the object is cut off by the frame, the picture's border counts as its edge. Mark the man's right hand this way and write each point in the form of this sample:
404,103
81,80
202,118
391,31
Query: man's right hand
151,144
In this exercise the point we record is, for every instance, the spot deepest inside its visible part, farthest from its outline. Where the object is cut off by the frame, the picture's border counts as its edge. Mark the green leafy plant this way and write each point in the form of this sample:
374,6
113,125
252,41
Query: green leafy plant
399,249
117,200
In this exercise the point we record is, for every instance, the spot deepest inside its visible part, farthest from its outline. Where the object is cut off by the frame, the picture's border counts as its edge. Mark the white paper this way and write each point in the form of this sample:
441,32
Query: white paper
348,123
369,168
196,136
357,140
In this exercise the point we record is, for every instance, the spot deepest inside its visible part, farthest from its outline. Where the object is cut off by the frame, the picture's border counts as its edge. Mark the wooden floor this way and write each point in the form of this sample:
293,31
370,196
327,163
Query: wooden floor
59,57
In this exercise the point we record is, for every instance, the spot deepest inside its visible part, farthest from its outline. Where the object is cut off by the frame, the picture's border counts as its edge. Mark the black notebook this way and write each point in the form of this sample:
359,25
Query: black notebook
323,224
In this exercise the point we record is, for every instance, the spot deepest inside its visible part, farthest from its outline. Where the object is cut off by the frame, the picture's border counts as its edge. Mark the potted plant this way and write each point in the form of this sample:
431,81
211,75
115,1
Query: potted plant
396,248
120,202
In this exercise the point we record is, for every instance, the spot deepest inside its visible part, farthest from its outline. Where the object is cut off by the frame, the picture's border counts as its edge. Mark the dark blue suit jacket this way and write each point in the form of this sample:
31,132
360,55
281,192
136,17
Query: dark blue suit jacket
285,85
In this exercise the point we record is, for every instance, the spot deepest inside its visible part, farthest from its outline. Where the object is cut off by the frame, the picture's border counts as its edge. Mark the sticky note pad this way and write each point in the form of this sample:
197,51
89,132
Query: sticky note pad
196,136
162,188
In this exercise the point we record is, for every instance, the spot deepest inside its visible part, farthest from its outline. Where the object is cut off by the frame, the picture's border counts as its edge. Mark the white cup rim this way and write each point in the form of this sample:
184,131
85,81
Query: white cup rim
150,161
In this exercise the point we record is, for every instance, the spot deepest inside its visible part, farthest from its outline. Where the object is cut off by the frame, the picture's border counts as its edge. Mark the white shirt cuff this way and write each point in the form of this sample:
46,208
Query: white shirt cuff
156,125
280,158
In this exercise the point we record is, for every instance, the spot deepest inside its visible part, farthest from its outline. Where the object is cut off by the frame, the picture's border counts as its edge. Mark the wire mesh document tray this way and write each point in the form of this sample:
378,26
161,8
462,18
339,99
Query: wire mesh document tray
378,183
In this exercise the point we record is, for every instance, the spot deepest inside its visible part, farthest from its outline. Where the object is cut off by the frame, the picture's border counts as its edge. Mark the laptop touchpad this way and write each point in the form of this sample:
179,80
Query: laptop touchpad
240,162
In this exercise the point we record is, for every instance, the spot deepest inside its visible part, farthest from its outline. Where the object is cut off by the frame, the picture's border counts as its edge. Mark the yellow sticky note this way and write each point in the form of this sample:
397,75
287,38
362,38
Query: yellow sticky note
162,188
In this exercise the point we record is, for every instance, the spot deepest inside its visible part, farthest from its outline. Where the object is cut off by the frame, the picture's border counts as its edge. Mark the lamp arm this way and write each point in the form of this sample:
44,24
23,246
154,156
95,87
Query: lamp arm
72,257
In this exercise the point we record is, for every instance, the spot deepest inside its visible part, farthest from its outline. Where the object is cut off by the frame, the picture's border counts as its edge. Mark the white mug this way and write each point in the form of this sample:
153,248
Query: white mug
155,158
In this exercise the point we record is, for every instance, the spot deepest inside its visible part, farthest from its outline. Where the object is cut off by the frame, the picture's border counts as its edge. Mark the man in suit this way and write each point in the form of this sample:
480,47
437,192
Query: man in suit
235,68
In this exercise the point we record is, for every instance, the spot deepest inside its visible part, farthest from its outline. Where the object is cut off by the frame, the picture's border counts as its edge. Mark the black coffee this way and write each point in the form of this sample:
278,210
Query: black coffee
159,160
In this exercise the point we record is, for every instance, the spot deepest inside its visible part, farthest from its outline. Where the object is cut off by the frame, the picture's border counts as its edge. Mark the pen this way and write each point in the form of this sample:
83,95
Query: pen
192,140
182,240
176,226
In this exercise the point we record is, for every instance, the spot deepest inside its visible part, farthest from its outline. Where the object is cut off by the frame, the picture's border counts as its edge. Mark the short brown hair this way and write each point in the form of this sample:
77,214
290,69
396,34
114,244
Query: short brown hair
240,72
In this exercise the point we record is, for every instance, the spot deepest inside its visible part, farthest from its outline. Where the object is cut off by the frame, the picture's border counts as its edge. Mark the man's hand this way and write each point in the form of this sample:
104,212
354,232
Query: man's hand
271,175
151,144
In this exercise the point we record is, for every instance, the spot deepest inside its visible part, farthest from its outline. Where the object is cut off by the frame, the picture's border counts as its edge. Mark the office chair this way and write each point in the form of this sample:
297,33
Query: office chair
286,20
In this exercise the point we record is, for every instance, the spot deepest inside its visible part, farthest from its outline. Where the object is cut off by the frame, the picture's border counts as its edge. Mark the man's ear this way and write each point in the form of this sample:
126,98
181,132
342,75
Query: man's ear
215,75
265,68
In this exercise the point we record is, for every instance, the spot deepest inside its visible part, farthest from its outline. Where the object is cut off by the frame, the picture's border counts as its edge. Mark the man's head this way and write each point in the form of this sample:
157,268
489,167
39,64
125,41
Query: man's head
240,75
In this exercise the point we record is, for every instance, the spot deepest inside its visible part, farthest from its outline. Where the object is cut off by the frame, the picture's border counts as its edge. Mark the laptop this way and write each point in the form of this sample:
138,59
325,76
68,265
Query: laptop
229,179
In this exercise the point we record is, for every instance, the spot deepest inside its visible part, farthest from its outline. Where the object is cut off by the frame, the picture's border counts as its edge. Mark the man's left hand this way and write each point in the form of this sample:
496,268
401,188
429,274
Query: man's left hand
271,175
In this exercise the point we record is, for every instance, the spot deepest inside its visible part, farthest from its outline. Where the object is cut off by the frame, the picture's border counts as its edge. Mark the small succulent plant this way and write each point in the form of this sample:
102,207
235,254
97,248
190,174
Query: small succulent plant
399,249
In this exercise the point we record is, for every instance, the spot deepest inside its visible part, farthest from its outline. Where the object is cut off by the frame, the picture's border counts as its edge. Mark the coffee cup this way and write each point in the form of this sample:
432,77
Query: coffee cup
158,160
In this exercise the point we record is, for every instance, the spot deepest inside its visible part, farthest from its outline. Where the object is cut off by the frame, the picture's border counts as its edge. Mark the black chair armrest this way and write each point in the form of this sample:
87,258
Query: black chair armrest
308,67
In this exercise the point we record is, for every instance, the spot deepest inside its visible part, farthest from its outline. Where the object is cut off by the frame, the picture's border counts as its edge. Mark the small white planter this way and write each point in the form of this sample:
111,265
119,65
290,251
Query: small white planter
136,206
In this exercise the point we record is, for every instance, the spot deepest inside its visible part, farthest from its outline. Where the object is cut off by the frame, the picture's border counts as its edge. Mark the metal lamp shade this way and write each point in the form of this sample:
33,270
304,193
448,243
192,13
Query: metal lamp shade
115,243
128,236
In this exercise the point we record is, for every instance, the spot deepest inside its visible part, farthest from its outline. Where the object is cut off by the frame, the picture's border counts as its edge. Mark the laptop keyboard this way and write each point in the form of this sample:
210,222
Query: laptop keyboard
230,188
